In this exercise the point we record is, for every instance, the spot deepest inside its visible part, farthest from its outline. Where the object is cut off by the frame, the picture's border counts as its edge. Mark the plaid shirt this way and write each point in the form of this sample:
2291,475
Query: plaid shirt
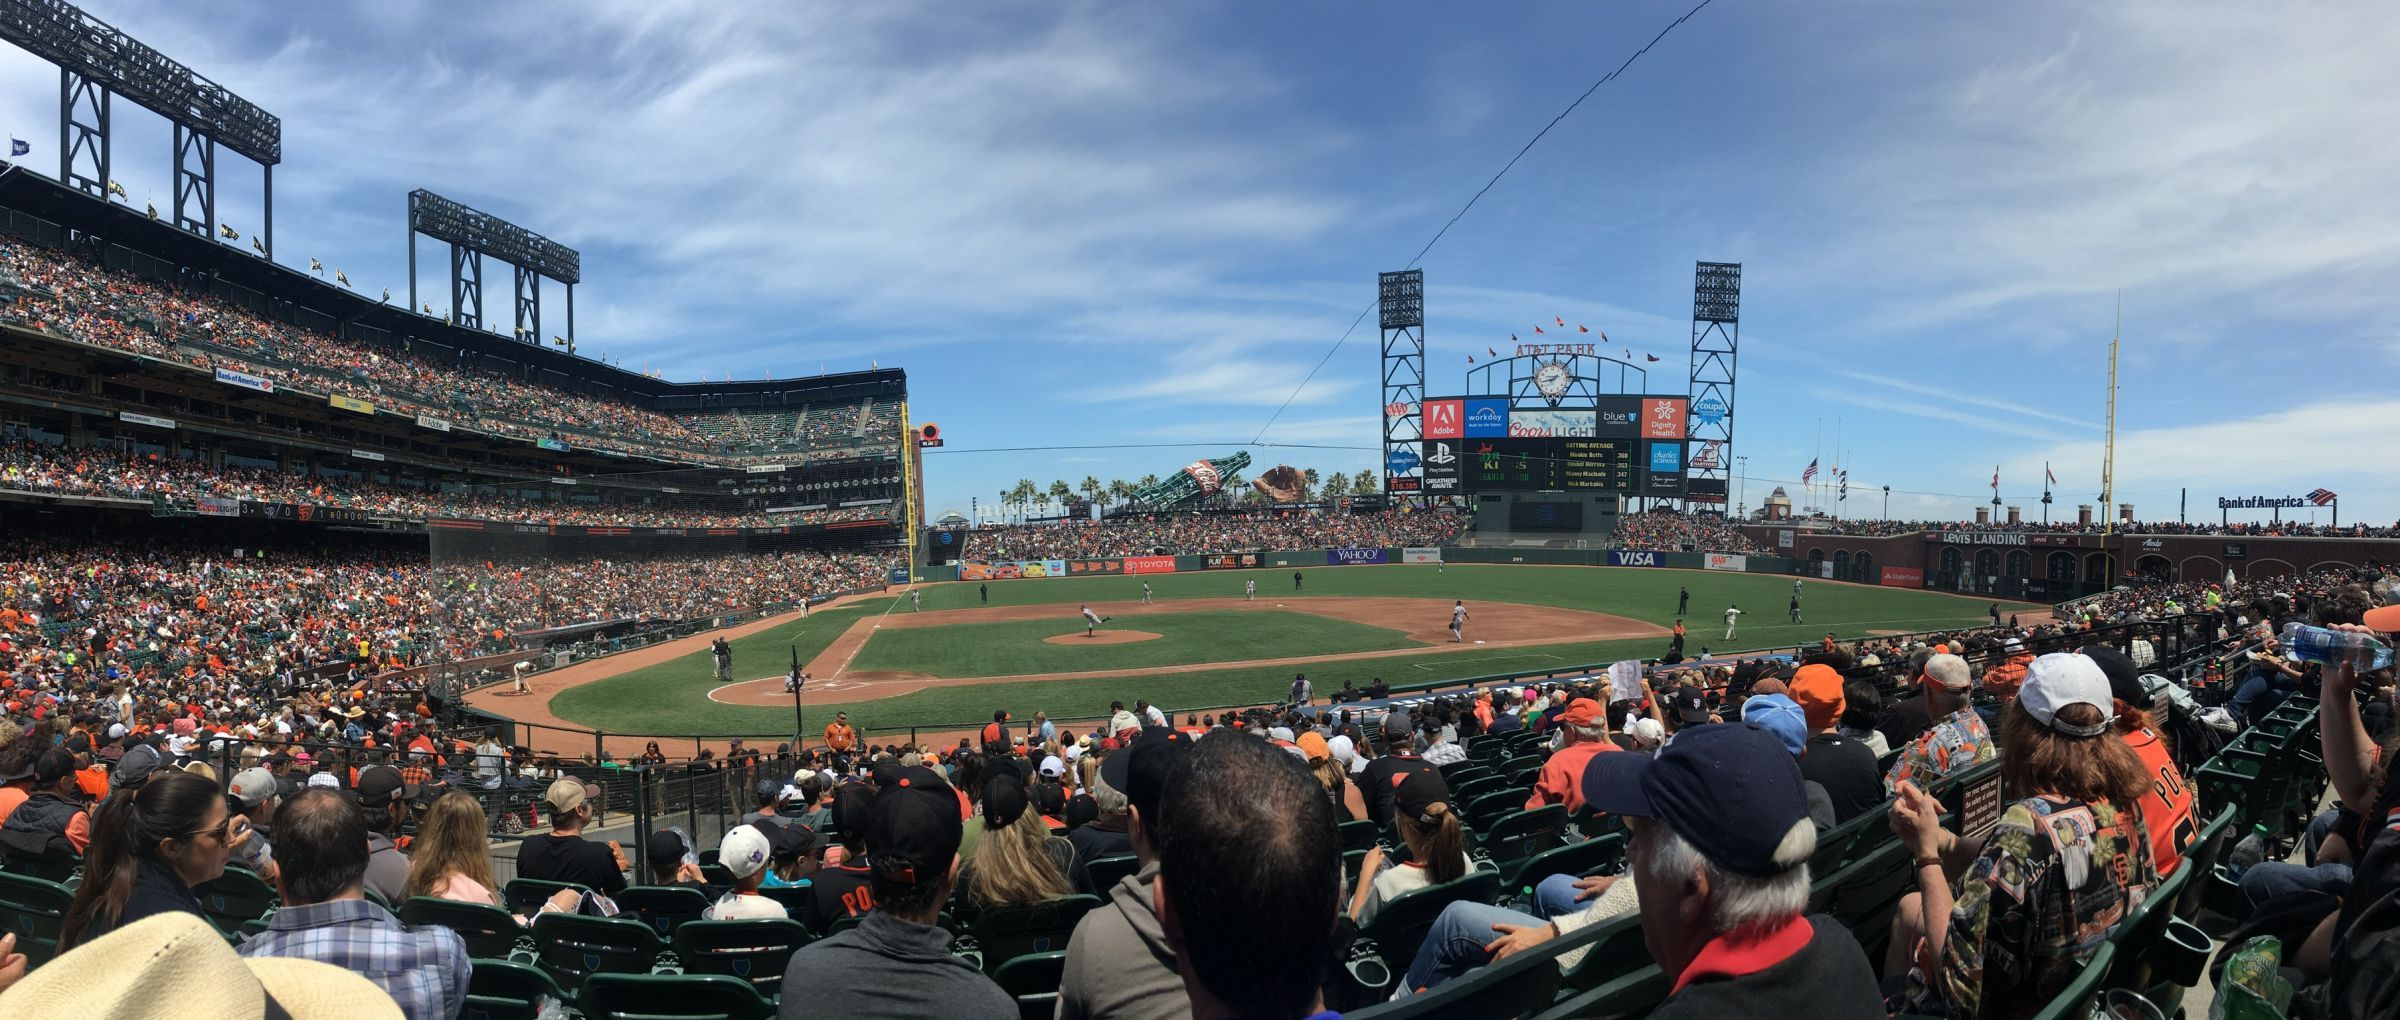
425,971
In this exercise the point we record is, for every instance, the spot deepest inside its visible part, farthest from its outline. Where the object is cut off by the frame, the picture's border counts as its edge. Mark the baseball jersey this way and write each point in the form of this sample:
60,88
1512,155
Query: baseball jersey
1091,616
1458,615
1730,614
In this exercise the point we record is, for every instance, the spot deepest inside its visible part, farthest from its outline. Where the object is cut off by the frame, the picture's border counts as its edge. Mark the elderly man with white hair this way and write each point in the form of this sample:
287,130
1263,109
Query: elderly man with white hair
1719,848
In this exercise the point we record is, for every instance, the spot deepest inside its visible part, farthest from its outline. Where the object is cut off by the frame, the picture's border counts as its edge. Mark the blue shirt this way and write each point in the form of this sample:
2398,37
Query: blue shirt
425,971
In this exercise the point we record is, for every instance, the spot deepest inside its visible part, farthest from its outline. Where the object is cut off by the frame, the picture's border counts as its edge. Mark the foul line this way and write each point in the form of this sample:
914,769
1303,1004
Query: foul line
1494,658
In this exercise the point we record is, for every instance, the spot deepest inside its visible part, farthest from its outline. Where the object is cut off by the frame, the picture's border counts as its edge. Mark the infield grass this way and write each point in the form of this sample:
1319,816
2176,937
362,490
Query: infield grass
671,697
1017,648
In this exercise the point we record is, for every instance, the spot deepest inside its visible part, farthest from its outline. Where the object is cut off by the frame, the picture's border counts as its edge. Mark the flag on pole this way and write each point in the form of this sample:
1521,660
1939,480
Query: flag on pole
1562,323
340,278
1651,357
1470,359
1537,329
1809,473
316,267
18,146
116,189
2322,496
2048,479
1604,336
1583,329
1487,349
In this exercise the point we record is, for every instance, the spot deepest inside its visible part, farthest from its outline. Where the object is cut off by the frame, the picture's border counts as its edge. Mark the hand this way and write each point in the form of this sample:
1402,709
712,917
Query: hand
1917,820
1517,938
1588,888
689,873
12,963
1372,863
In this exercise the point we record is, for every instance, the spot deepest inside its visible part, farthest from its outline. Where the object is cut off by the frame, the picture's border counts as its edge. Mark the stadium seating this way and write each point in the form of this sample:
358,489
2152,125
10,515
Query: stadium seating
1033,980
35,909
236,901
754,950
1106,872
1519,986
573,947
663,908
490,933
502,990
525,895
1600,855
1400,923
1007,932
2075,1003
1517,837
64,869
612,996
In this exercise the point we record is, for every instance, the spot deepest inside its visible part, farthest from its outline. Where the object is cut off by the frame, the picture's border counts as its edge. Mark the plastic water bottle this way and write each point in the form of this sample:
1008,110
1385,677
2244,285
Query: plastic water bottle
2331,647
2248,851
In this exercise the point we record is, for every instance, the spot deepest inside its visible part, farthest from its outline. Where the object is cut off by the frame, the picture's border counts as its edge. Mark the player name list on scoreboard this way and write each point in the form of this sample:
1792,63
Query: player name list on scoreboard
1549,464
1604,464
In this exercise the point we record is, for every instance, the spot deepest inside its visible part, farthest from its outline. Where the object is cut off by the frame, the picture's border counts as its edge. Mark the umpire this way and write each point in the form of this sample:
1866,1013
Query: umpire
723,653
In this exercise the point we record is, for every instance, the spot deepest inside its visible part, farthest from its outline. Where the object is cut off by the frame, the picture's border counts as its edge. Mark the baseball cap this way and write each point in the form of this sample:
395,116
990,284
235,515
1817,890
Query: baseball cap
1689,704
564,795
2059,679
324,780
252,786
1582,712
1817,689
1141,771
1314,747
1780,715
794,841
1647,732
55,764
132,770
1414,793
665,848
2383,619
1052,766
913,829
769,790
2120,671
1731,790
1396,724
744,851
380,785
1950,671
1004,802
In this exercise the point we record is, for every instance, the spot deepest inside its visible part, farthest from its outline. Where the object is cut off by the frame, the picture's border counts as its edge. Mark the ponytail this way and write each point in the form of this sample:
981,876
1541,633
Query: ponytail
129,827
1440,845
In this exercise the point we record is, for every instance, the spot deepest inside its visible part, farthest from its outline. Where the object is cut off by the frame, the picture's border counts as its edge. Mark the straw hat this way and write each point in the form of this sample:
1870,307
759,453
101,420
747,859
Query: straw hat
160,965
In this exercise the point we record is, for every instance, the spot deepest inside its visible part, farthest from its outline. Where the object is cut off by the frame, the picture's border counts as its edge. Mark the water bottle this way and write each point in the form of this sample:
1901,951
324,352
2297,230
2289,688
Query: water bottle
253,853
2331,647
2248,851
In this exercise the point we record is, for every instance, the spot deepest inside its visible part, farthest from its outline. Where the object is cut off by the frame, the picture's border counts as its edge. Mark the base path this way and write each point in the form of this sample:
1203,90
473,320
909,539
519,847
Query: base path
1490,625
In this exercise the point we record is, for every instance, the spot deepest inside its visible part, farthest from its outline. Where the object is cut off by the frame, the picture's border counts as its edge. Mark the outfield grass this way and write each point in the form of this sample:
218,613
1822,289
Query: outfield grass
670,697
1017,648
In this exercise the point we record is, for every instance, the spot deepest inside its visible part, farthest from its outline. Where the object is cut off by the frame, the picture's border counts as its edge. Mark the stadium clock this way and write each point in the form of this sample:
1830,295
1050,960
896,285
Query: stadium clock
1551,379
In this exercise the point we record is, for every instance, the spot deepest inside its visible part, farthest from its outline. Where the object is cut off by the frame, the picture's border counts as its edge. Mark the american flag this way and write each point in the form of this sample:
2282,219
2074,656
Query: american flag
2322,496
1809,474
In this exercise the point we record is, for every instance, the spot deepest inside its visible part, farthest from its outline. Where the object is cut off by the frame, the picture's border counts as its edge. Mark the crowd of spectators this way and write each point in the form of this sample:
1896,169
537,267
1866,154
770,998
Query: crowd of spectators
2245,529
73,297
1198,533
1668,531
177,483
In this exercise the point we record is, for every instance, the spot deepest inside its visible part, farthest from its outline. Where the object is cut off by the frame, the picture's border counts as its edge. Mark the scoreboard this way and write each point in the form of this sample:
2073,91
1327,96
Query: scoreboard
1547,464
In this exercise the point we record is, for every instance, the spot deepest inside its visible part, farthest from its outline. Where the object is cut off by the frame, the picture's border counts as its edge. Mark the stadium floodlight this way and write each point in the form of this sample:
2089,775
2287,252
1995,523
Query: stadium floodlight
473,234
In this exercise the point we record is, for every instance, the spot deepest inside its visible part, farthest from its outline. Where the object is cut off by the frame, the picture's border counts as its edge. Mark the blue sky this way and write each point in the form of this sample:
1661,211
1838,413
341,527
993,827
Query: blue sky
1091,224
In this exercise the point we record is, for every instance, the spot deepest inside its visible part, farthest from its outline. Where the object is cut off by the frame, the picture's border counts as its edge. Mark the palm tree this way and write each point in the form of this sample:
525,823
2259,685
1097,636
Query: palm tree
1119,491
1060,492
1091,489
1365,484
1310,477
1336,484
1024,494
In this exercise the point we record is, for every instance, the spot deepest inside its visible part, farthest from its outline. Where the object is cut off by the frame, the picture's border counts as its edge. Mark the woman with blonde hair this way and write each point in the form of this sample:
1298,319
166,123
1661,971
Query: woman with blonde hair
1017,860
1437,846
1348,806
451,858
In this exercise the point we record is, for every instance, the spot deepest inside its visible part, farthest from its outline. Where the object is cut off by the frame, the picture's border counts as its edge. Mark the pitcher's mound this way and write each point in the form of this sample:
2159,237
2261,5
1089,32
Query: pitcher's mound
1102,637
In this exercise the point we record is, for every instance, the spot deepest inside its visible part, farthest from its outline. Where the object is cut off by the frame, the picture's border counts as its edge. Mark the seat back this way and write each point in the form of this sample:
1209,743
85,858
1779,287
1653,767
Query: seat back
490,933
234,899
1519,986
1632,994
1868,891
1033,981
1516,838
2076,1002
1491,807
526,895
1584,858
501,990
1356,835
1108,871
671,997
1617,950
752,949
1466,792
36,910
60,868
572,947
1399,925
1834,846
663,907
1005,933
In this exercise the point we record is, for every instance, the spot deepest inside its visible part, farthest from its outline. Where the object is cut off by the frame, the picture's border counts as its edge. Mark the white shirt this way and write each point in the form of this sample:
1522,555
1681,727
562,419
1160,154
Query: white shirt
736,906
1457,613
1730,614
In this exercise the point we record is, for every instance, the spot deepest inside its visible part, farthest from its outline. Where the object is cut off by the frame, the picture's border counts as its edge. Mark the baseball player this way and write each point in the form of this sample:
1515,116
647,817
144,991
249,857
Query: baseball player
1795,587
916,601
1795,608
1145,593
983,593
1458,621
1295,580
723,653
1092,621
1732,613
1249,591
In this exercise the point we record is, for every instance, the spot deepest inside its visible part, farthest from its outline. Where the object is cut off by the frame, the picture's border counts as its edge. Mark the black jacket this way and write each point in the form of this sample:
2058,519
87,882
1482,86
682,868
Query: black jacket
1846,768
1828,977
38,827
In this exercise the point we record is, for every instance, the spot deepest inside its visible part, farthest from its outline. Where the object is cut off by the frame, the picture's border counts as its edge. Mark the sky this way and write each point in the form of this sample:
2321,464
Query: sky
1138,227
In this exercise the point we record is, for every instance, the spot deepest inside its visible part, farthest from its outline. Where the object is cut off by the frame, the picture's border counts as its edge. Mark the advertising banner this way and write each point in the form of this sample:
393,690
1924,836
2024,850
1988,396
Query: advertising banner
217,506
1551,423
245,380
899,575
1709,409
1077,568
1053,568
1620,417
552,444
1149,564
1486,417
1711,454
1230,561
1421,554
1664,474
1726,561
302,512
144,419
1442,465
430,422
351,404
1902,577
1402,461
1663,418
1403,483
1339,557
974,570
366,455
1783,539
1445,419
1636,558
1704,490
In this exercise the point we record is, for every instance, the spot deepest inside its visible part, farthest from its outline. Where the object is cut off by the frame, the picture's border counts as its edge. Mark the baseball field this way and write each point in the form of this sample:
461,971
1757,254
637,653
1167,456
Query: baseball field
970,647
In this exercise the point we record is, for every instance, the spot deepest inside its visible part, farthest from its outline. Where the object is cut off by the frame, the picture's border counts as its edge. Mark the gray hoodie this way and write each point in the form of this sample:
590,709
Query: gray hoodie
1118,963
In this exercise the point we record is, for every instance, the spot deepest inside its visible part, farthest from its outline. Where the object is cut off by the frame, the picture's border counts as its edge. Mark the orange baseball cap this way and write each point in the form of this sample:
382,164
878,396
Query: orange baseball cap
1582,712
1818,689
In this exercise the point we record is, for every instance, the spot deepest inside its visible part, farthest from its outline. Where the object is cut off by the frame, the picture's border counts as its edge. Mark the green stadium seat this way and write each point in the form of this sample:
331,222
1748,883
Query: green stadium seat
1516,838
1356,835
2201,857
526,895
1519,986
500,990
234,899
1005,933
2138,935
36,910
1582,859
572,947
1834,847
1033,981
671,997
1108,871
1465,793
2083,993
662,907
793,898
1399,925
1617,950
490,933
754,950
1491,807
64,869
1629,995
1868,891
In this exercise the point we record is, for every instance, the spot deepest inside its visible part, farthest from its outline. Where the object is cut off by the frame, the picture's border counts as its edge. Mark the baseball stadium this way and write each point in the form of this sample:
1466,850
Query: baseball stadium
659,693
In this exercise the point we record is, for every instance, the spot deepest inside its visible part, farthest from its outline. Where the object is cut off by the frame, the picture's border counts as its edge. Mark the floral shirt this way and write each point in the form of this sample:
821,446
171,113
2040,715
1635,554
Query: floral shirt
2052,882
1953,744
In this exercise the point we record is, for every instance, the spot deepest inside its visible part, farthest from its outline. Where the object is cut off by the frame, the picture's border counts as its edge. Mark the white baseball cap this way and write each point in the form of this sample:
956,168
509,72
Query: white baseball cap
2059,679
1051,766
744,851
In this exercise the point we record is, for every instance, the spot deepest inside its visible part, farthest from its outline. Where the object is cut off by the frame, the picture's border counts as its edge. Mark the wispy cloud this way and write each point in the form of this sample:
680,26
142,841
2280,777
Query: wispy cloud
1963,395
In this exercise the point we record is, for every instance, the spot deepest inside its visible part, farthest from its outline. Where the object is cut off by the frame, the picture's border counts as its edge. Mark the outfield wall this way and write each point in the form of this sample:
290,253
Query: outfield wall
1306,559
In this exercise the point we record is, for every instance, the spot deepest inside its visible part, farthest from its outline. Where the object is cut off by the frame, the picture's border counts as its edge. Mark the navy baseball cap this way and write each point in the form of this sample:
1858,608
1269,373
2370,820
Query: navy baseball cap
1731,790
913,828
1140,772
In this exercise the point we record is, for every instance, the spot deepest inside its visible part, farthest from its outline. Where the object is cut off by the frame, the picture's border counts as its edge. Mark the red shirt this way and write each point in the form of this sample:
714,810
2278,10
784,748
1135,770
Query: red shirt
1561,781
